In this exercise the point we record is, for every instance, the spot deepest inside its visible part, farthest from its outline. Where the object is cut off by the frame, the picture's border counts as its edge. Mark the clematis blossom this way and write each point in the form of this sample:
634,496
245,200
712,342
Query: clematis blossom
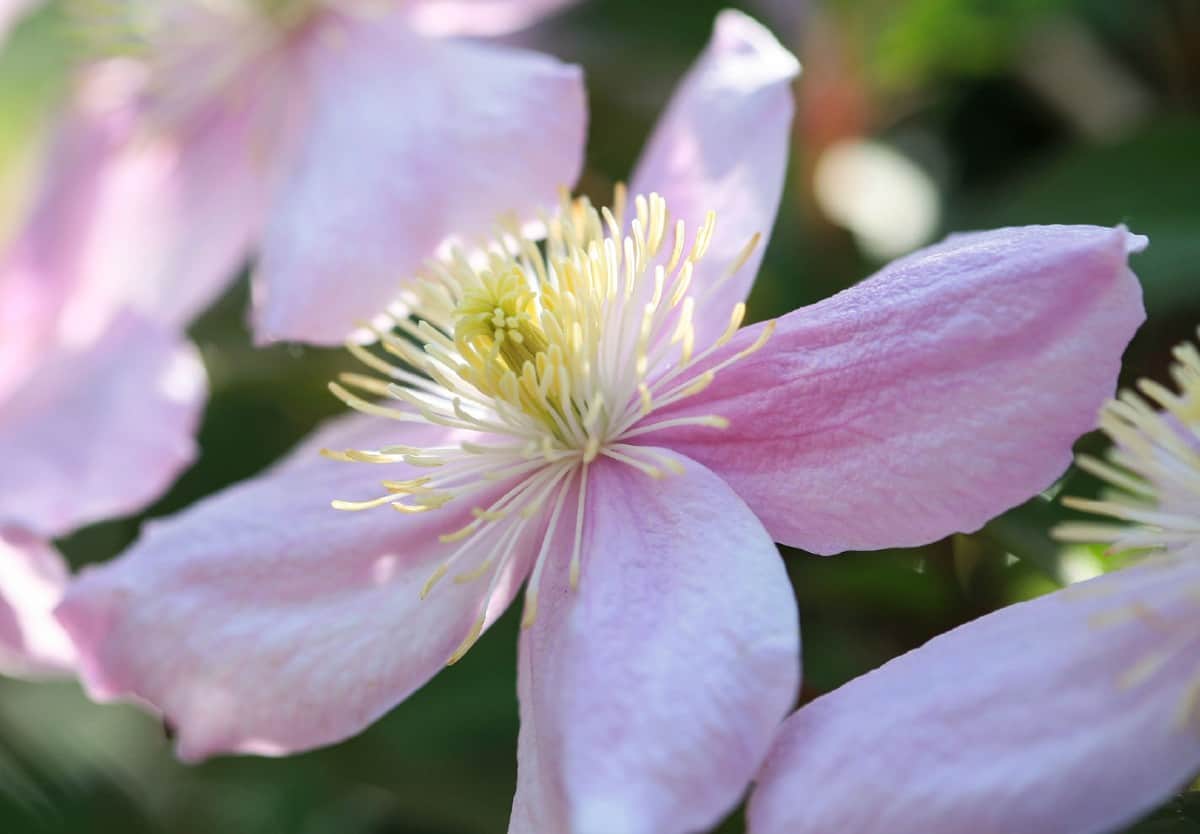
1074,713
588,417
331,137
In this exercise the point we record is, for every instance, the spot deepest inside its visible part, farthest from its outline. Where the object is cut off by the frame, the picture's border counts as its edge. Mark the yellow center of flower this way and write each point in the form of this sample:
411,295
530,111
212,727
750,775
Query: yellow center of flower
546,355
497,326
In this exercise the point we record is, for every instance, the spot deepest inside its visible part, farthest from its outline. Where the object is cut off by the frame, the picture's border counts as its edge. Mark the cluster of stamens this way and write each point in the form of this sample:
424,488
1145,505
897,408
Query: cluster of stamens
1152,471
543,357
1153,466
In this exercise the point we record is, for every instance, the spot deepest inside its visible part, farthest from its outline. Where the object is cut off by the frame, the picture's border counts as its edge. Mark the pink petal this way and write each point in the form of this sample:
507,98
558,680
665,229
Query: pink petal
51,254
445,18
32,578
101,429
129,217
1070,714
722,145
262,620
649,695
929,398
412,141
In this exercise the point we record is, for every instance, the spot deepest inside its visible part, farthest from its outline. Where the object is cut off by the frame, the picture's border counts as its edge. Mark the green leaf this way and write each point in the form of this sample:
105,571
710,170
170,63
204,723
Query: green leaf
1179,816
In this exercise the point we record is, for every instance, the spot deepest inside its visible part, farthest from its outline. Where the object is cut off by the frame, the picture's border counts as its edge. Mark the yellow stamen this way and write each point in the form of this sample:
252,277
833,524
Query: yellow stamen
543,359
1152,475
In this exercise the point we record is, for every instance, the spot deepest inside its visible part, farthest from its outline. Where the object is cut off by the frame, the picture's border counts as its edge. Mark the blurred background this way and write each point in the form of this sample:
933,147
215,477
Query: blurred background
915,118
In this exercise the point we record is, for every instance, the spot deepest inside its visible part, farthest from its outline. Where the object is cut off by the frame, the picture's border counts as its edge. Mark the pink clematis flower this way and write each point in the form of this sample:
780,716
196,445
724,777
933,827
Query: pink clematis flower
1074,713
587,417
335,137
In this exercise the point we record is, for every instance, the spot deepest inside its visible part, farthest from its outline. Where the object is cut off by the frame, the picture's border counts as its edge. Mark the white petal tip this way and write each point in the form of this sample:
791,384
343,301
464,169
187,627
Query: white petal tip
766,60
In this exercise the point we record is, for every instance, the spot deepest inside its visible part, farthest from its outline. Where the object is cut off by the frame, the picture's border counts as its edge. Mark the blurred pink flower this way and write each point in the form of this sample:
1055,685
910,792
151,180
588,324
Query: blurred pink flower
567,430
99,401
95,428
1072,714
335,137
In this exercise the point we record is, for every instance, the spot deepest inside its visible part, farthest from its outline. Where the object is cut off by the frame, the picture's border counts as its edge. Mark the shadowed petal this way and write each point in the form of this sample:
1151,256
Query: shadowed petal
722,145
931,397
1070,714
101,429
649,695
32,578
261,620
412,140
479,18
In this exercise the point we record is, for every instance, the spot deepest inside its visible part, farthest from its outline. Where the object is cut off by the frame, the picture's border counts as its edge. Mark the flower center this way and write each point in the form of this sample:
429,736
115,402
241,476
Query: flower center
496,316
544,356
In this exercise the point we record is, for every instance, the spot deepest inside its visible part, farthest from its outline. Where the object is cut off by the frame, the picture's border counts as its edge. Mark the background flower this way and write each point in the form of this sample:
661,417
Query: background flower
100,396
